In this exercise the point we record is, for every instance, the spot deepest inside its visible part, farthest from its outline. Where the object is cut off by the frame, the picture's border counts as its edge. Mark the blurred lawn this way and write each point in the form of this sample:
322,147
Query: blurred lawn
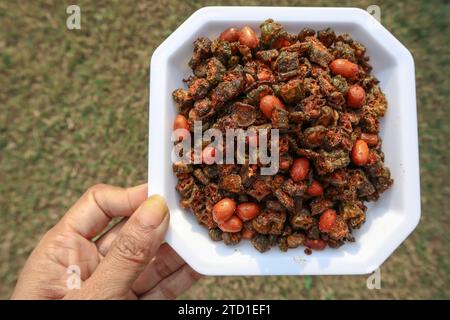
73,112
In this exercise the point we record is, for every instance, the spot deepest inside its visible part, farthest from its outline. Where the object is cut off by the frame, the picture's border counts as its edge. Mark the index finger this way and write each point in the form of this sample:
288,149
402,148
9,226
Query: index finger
99,204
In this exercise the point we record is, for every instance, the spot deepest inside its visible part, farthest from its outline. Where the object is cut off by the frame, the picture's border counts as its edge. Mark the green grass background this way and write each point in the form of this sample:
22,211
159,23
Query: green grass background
73,112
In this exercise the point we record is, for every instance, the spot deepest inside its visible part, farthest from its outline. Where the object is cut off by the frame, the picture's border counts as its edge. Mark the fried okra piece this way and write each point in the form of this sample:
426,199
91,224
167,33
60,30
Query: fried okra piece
312,88
200,69
183,99
313,137
302,220
221,50
269,222
200,175
283,243
287,61
261,242
343,50
185,186
211,171
327,162
248,174
353,213
231,238
233,61
295,240
204,217
326,36
338,178
280,119
203,109
227,169
267,55
285,199
304,33
326,84
292,92
369,122
244,114
312,106
213,193
226,91
270,31
364,186
319,205
215,234
274,205
340,83
313,232
198,89
232,183
214,71
318,53
255,95
347,120
202,50
379,175
294,189
336,137
276,182
376,101
181,168
336,100
231,86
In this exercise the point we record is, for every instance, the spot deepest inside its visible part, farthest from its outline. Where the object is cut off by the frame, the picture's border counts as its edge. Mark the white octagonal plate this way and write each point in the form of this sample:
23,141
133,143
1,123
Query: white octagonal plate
389,221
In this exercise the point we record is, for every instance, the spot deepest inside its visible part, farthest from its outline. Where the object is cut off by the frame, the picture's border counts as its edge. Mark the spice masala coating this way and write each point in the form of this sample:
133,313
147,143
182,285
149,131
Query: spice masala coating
317,90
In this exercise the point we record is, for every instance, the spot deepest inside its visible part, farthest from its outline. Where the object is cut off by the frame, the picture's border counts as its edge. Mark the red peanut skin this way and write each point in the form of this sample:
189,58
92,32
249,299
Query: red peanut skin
223,210
344,68
234,224
360,153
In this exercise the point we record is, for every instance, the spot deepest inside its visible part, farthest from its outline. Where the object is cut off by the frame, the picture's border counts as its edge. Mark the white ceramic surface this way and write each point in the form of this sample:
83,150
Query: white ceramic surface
389,221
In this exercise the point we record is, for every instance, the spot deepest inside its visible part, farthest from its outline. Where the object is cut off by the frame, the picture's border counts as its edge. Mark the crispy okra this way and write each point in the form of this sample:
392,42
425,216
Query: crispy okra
317,90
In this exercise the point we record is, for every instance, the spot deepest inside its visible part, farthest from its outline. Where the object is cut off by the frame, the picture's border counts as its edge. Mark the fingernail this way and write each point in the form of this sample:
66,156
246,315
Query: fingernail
153,212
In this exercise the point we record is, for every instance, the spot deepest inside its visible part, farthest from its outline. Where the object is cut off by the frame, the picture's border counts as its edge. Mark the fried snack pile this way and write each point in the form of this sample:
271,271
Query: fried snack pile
316,88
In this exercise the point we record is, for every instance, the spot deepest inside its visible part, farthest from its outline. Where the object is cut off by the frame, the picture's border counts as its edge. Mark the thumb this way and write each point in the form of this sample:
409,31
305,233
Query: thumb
135,245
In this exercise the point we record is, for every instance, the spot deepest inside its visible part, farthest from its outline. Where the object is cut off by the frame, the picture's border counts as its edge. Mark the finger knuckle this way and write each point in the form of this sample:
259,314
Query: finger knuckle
97,188
128,247
162,268
65,240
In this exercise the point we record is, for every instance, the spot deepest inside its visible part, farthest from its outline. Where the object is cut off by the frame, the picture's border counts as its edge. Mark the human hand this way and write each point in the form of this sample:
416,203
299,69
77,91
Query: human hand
130,261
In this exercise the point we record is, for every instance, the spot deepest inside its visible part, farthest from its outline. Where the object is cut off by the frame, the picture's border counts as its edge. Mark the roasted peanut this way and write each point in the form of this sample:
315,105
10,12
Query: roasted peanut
223,210
209,155
327,219
299,169
248,37
318,244
360,153
247,210
356,96
233,224
230,35
315,189
344,68
181,122
268,103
